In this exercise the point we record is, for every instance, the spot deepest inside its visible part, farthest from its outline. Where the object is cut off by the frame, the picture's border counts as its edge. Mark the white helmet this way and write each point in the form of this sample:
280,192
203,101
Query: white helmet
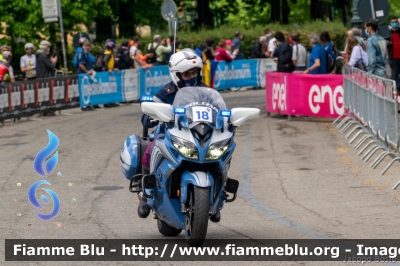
182,61
28,45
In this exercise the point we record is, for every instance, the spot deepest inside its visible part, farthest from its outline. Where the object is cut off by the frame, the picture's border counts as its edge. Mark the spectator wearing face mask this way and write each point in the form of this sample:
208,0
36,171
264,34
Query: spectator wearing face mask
4,48
5,67
376,49
393,45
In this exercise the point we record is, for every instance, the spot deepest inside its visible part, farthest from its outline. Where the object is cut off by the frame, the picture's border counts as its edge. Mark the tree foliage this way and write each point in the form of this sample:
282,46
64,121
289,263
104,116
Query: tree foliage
24,18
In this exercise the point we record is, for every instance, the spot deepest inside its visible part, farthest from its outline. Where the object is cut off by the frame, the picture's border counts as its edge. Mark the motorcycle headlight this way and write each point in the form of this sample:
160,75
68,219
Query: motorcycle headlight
186,148
217,149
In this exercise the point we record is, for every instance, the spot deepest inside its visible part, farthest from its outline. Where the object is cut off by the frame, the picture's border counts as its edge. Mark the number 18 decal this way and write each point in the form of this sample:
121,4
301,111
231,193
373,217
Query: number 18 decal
202,114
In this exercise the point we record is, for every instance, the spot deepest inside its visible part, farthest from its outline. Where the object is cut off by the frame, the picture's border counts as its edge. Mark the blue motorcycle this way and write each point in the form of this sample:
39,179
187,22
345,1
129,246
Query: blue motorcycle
191,152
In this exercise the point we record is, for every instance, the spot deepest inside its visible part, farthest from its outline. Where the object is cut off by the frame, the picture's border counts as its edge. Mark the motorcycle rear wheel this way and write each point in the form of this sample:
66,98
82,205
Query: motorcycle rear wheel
196,220
167,230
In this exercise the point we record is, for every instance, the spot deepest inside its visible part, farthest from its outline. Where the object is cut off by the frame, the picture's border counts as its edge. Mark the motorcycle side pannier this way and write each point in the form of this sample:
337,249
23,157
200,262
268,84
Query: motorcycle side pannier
131,155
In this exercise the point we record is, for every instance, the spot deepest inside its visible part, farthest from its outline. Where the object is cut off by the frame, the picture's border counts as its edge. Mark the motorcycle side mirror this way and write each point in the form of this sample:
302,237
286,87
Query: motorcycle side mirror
241,115
159,111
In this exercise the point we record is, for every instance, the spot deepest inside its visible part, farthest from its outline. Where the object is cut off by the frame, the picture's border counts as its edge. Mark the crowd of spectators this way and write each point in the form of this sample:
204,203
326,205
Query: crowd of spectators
288,52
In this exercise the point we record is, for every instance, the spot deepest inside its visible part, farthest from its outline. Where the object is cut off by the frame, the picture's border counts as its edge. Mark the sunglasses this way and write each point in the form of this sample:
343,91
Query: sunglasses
190,73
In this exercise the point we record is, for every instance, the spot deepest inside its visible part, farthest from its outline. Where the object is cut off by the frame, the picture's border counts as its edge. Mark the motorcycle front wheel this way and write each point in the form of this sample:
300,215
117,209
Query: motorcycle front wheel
196,220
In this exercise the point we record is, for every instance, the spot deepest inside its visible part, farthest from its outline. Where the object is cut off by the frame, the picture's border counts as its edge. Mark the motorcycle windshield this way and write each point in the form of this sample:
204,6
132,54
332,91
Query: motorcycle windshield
202,104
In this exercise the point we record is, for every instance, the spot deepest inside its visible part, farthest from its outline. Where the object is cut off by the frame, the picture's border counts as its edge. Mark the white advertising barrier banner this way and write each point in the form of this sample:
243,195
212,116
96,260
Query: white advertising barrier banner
265,65
130,85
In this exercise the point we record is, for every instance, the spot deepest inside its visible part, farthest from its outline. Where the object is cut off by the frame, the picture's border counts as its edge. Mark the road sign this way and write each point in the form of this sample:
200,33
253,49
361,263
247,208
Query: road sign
377,9
168,10
49,9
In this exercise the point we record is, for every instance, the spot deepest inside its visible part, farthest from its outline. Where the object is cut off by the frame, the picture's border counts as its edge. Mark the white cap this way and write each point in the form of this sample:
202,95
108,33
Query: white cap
45,43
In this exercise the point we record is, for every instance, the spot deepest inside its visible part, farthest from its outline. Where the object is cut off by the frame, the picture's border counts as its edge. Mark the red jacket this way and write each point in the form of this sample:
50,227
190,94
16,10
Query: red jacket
222,55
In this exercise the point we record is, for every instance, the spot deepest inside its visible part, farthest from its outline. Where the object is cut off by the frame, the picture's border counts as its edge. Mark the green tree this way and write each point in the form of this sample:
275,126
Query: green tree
23,19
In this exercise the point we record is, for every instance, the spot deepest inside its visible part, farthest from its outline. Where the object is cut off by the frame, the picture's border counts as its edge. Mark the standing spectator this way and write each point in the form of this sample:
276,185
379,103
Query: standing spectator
317,61
210,49
201,51
109,63
158,48
393,45
356,33
326,42
5,67
44,64
135,54
221,53
123,60
172,40
85,63
4,48
238,45
271,47
75,61
376,49
299,56
258,50
177,46
268,35
356,53
283,52
28,62
109,59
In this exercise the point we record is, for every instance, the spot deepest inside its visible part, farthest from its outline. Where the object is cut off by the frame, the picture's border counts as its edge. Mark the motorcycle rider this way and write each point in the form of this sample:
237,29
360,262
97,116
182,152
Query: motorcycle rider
185,71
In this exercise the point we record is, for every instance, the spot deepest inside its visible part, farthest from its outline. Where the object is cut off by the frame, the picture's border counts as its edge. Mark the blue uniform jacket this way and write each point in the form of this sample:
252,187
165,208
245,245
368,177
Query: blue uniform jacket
164,95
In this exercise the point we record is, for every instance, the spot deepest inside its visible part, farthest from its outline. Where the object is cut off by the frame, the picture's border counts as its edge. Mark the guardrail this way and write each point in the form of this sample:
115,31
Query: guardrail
372,110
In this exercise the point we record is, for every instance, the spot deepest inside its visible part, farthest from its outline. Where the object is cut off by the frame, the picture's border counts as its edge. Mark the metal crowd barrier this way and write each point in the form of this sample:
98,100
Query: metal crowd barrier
372,110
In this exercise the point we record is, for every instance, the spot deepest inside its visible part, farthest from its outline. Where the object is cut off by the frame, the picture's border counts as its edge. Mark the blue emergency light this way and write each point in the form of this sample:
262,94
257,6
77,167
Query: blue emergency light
146,99
179,110
226,113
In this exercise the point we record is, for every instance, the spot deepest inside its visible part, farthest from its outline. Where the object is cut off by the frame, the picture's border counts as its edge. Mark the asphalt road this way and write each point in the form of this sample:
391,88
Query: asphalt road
298,179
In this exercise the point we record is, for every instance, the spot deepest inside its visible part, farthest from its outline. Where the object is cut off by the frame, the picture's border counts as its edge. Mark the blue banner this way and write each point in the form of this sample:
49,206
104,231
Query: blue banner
238,73
102,88
153,79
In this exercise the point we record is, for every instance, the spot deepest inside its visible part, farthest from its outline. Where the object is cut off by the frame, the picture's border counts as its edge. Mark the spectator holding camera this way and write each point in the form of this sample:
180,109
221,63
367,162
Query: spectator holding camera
45,64
158,49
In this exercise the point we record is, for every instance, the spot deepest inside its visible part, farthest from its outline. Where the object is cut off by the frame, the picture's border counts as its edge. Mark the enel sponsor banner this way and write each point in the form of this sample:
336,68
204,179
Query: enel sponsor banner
304,95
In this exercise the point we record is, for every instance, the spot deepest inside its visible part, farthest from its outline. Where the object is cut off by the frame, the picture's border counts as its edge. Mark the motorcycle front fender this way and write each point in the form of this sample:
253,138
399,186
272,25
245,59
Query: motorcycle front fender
198,179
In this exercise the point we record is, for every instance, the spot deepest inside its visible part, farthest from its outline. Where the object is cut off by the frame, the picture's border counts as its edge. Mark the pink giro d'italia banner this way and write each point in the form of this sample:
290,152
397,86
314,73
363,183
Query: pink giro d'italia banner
304,95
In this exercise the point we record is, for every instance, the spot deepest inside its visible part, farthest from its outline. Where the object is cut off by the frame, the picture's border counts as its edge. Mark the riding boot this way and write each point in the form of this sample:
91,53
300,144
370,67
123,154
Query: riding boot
143,209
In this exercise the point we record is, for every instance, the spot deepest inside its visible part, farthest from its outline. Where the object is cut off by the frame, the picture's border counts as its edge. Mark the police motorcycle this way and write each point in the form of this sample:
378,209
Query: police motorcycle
188,181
